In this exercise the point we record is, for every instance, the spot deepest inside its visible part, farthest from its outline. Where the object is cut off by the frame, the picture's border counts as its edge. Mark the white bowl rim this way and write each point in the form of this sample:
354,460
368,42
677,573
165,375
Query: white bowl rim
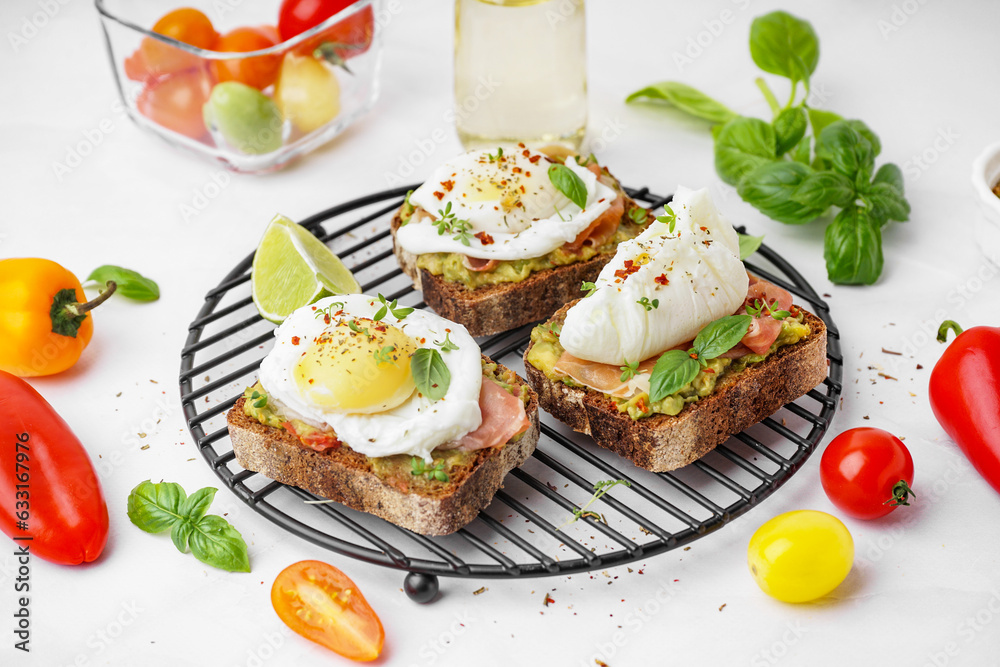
982,187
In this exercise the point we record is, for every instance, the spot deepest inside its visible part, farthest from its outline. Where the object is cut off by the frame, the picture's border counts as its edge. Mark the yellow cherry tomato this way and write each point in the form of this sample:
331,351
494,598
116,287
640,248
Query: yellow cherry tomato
800,556
307,92
44,318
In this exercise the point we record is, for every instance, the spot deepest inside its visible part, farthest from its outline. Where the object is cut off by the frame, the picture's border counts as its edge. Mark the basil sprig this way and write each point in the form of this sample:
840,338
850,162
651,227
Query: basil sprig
676,368
156,508
804,161
130,283
568,183
430,373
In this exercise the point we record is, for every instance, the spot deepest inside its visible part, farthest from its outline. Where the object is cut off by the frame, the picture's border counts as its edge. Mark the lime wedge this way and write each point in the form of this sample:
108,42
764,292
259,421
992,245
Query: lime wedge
292,268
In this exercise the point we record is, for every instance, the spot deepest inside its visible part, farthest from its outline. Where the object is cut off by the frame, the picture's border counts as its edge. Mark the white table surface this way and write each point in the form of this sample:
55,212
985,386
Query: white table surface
925,589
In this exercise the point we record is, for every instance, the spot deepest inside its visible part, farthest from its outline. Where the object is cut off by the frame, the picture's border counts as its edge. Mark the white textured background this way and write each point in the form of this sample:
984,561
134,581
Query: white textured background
926,587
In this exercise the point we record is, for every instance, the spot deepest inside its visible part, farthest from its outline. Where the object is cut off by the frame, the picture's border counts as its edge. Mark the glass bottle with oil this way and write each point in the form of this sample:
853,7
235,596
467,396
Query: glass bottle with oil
520,72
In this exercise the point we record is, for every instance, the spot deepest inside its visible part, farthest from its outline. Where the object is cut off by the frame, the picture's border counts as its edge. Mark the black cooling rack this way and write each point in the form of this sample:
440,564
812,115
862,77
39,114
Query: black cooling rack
523,533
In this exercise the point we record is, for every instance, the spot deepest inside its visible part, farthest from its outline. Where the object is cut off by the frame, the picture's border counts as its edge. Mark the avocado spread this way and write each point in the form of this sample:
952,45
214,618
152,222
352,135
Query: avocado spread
546,350
451,267
399,468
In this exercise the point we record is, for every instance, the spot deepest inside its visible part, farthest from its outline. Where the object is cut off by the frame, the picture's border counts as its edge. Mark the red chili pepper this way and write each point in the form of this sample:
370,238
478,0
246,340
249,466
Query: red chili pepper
965,395
50,498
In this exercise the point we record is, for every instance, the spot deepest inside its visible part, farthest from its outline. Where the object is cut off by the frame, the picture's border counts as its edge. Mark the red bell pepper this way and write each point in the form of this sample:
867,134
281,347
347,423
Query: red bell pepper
965,395
50,498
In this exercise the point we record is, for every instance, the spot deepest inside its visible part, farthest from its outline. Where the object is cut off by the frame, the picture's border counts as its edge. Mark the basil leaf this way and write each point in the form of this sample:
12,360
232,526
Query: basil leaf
847,151
156,507
180,534
721,336
825,189
866,132
819,119
769,189
430,373
568,183
749,245
672,372
686,99
130,283
887,203
784,45
802,151
853,248
196,505
789,128
215,542
742,145
890,174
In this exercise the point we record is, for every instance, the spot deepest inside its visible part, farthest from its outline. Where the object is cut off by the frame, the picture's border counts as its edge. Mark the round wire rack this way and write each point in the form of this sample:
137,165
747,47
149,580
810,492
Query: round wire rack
524,531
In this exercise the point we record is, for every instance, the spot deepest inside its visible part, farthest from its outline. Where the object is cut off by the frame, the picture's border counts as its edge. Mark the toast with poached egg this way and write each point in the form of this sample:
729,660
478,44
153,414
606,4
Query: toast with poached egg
496,240
677,347
385,409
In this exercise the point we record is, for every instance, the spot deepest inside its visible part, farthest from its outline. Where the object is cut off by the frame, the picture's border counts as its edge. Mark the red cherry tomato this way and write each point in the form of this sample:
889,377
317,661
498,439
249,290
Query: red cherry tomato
867,472
185,25
346,39
175,101
322,604
258,72
53,494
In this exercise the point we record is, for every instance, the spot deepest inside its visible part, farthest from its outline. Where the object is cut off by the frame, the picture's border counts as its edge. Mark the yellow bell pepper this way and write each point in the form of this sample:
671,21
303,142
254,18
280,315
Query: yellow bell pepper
44,320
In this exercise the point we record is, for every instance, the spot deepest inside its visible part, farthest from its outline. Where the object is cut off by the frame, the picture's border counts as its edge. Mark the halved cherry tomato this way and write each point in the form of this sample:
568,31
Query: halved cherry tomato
175,101
185,25
258,72
322,604
344,40
867,472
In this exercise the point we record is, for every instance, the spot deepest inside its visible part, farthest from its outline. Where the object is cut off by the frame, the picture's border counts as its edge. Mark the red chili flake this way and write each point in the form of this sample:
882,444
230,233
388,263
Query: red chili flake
704,229
439,195
706,242
526,153
630,268
522,188
326,319
641,404
296,340
709,370
484,238
662,279
503,182
448,185
528,174
548,600
534,159
311,380
516,170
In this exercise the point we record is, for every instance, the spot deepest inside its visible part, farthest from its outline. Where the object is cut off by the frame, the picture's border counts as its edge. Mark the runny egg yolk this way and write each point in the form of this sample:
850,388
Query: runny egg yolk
357,366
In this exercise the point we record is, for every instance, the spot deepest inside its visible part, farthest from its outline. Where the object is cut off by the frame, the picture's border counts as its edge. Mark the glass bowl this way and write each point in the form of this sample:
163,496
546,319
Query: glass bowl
253,111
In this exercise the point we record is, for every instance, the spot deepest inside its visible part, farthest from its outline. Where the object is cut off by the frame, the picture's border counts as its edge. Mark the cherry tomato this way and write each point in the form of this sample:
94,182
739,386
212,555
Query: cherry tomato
800,556
175,101
307,92
54,496
867,472
346,39
185,25
322,604
260,71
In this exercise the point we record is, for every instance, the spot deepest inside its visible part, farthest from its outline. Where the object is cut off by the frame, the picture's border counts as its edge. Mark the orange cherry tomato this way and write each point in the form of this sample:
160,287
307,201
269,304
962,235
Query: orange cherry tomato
185,25
175,101
322,604
258,72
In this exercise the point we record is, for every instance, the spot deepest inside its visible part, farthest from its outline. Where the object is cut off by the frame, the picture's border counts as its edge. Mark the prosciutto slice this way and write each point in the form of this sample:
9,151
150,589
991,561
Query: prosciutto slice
503,418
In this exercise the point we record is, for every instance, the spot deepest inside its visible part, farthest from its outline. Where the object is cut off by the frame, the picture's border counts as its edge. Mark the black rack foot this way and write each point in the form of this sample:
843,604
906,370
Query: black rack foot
421,588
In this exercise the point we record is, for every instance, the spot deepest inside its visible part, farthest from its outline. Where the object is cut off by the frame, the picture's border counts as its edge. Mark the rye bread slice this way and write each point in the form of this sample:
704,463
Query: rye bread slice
662,442
346,476
493,309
